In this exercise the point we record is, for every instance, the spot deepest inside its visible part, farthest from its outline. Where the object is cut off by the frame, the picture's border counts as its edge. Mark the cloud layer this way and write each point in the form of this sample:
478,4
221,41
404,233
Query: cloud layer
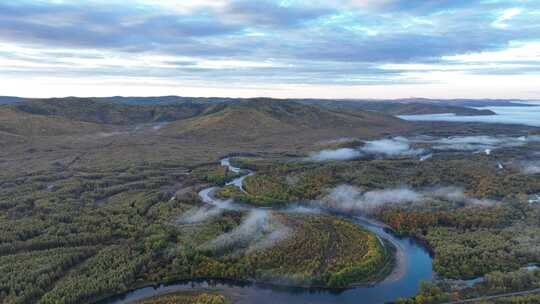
269,42
259,230
386,147
401,146
346,198
396,146
338,154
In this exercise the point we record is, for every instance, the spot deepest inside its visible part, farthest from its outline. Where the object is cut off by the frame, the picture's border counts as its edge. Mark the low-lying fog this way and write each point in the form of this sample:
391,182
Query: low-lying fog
346,198
530,167
506,115
125,131
401,146
260,229
384,147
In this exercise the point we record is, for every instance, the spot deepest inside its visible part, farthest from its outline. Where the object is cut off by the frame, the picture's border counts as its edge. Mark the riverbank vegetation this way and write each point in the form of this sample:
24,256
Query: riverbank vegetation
188,297
496,283
319,251
215,174
325,251
76,237
474,234
76,221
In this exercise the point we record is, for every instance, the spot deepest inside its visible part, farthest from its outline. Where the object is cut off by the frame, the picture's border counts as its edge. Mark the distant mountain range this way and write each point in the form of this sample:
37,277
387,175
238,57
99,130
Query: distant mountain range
175,99
113,110
10,99
235,121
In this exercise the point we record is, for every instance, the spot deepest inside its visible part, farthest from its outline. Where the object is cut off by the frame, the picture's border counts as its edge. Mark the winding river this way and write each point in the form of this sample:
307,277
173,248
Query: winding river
413,264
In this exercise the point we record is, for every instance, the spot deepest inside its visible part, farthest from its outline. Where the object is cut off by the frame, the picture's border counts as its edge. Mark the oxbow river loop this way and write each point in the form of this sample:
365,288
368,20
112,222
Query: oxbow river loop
413,265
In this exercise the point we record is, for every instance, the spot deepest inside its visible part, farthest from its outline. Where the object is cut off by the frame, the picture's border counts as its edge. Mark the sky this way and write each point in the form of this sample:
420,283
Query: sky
272,48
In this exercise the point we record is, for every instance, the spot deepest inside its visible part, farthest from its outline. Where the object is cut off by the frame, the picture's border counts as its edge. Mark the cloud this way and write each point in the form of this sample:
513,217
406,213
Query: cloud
276,14
344,42
480,143
387,196
95,26
339,154
390,147
530,167
302,209
457,195
416,6
199,215
213,208
346,198
505,16
401,146
259,230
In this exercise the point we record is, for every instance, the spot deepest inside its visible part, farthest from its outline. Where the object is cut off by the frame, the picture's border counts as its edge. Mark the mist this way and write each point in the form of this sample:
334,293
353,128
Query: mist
505,115
259,230
480,143
199,215
339,154
111,134
396,146
530,167
301,209
401,146
159,126
457,195
213,208
426,157
346,198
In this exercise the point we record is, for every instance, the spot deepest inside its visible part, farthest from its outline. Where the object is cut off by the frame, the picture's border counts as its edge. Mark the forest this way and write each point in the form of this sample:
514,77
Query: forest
468,239
494,283
97,210
77,237
188,298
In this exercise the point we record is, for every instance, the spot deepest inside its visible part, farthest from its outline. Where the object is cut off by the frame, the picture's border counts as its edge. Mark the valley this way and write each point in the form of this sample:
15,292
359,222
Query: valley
99,199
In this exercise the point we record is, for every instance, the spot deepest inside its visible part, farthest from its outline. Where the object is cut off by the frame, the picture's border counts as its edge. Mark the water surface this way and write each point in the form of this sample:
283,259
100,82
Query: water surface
522,115
413,260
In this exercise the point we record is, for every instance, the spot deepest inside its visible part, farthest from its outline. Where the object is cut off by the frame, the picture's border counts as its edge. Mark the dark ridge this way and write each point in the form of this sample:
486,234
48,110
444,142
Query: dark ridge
103,112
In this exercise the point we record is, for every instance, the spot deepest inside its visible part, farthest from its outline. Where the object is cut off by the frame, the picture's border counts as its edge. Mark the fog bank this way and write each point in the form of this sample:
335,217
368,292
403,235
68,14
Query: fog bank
396,146
259,230
506,115
530,167
214,208
346,198
339,154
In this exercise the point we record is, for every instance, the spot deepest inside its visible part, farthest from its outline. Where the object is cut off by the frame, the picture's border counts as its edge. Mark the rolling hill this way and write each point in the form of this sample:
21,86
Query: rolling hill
9,99
250,119
400,108
105,134
405,106
103,112
267,120
14,122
